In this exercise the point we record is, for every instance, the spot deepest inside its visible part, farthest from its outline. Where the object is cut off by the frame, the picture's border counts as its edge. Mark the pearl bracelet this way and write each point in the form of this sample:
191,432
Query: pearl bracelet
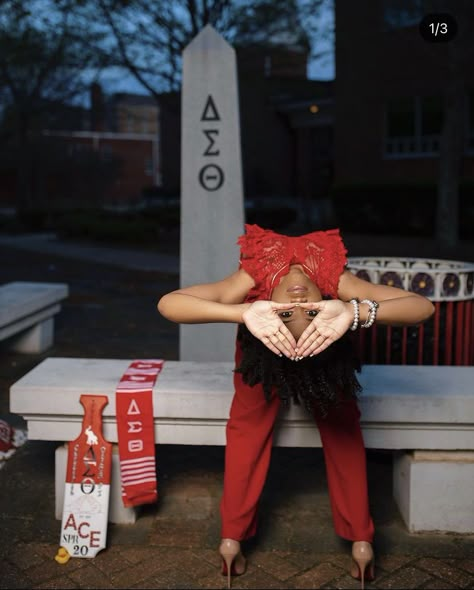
373,306
355,323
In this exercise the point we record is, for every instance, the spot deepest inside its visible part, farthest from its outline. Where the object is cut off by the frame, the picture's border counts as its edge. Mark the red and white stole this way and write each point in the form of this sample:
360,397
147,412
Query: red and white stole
136,436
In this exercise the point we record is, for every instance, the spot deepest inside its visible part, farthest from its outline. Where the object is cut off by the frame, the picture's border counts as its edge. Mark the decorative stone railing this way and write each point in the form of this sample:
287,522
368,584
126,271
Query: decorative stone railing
448,337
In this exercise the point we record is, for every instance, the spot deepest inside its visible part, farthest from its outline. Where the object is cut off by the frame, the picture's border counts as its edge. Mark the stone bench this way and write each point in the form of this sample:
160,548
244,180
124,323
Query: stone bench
27,313
425,414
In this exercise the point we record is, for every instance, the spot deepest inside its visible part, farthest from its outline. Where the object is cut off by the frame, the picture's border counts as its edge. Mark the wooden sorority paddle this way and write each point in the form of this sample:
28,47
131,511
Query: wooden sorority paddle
87,487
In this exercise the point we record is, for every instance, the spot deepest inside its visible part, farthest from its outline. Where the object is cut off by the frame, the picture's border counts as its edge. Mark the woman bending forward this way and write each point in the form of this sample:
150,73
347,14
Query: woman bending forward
296,306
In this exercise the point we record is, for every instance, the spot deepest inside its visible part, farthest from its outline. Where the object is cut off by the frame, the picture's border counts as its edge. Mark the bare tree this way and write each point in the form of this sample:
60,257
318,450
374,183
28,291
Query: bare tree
46,46
149,37
285,23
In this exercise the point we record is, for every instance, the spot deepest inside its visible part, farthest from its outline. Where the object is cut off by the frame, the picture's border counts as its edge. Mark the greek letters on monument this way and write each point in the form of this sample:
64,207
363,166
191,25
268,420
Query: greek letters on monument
211,176
212,211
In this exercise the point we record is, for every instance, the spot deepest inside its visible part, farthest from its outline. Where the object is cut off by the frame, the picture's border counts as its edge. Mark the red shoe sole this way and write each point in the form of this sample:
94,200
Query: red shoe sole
233,571
368,576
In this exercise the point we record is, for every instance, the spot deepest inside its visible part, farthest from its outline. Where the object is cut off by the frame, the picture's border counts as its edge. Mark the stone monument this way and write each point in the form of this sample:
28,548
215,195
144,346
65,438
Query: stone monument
212,210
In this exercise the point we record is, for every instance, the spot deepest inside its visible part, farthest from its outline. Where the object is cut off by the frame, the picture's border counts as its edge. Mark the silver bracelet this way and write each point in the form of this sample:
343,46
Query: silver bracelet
355,323
373,306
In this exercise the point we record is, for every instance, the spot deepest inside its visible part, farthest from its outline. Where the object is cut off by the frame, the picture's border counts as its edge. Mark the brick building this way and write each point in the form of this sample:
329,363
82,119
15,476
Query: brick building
133,157
390,87
122,133
286,126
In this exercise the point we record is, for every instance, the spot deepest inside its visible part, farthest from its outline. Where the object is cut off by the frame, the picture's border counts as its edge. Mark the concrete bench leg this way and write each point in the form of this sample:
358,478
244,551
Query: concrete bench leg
434,490
118,514
36,339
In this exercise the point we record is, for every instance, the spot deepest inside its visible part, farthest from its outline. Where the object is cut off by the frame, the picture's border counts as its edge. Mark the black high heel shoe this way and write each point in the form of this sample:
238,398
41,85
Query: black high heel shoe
234,563
363,562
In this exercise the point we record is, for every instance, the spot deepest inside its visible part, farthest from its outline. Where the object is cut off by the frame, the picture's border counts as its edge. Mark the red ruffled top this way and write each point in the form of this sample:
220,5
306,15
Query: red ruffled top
266,256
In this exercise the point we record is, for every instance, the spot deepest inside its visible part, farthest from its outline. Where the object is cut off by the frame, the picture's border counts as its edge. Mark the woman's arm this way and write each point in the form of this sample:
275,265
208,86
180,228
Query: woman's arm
396,307
221,301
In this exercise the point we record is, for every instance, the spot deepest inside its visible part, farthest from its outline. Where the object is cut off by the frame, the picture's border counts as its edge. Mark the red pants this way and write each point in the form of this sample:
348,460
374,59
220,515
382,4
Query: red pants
249,444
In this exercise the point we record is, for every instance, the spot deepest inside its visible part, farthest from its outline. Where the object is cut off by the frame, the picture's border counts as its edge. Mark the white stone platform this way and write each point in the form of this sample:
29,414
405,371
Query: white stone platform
404,408
27,311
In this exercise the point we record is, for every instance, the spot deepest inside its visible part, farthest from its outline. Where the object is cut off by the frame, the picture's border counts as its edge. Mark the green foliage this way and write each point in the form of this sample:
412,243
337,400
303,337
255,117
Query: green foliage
151,228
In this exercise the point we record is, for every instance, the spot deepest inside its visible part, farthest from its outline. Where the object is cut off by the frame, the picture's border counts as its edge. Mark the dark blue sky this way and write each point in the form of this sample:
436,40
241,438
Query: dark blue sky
322,69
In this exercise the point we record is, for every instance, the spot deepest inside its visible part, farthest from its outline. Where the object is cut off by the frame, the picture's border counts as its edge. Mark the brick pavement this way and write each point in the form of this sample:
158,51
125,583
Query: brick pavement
111,314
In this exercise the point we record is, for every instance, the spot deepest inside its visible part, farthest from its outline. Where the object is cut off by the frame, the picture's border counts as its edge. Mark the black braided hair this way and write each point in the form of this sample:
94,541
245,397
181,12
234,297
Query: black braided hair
317,382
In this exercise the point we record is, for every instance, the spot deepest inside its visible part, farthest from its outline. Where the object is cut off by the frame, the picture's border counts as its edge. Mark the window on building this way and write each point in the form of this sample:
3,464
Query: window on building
431,115
413,126
106,152
149,166
399,14
130,122
401,117
77,148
